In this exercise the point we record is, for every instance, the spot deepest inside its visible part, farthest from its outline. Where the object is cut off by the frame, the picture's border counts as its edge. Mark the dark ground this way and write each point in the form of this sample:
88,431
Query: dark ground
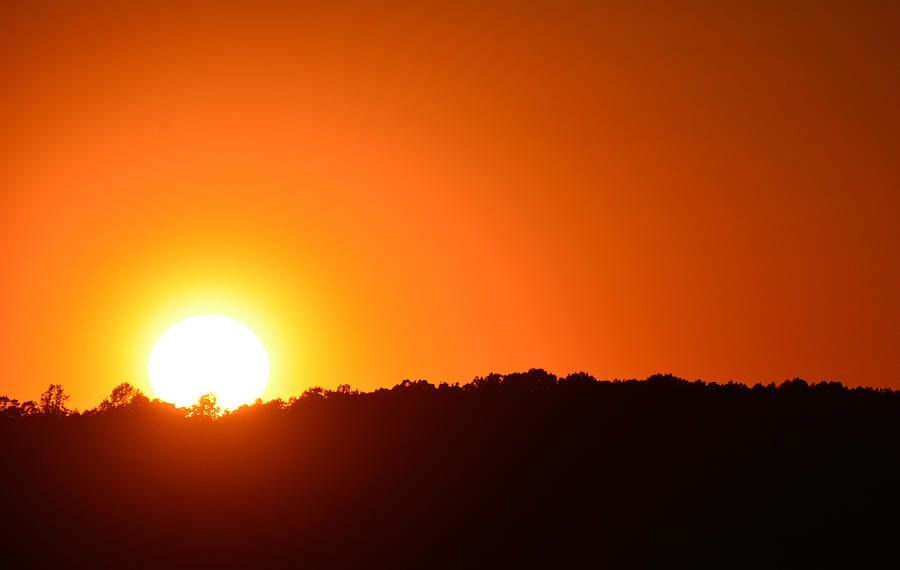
518,471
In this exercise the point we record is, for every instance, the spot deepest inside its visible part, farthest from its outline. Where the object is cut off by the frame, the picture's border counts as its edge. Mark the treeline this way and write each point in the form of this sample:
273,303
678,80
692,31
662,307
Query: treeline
515,470
52,402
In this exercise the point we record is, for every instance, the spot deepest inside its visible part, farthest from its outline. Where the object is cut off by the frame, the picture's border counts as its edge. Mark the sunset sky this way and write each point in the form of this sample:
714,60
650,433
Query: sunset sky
425,190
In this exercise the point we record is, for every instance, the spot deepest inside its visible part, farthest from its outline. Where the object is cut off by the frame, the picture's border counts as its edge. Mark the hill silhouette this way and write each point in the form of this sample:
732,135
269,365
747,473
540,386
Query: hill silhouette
516,470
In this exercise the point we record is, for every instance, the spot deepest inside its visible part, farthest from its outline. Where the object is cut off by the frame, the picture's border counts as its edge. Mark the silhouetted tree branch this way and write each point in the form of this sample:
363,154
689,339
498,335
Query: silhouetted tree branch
53,401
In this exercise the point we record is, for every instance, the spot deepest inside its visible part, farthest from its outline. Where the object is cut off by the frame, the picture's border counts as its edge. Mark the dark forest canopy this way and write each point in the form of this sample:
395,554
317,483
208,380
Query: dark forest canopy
52,401
523,469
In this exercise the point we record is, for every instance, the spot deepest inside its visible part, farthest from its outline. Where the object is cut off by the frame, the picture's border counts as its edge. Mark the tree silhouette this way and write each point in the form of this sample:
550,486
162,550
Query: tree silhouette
539,471
53,401
205,408
10,408
123,395
313,392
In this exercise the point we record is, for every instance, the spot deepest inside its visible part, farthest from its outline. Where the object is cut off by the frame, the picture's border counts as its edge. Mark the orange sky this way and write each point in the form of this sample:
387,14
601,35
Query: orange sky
418,190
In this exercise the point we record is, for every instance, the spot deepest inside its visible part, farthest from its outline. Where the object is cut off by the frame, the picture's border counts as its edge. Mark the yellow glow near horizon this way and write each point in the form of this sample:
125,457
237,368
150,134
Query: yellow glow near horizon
208,354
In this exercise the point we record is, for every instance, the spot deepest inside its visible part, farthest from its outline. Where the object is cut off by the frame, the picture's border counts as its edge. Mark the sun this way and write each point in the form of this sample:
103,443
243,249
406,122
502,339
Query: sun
208,354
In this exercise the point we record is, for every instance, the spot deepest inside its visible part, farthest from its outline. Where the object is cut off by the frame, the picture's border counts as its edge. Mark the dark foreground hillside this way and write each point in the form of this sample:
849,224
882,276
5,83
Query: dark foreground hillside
522,470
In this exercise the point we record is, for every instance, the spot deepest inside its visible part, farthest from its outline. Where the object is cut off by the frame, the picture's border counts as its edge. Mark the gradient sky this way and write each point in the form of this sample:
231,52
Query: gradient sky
423,190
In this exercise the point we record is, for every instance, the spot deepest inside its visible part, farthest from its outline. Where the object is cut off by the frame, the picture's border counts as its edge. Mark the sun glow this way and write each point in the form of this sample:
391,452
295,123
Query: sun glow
208,354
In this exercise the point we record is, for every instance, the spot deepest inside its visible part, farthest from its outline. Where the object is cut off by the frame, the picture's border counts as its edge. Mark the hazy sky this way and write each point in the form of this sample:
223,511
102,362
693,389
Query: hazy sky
386,191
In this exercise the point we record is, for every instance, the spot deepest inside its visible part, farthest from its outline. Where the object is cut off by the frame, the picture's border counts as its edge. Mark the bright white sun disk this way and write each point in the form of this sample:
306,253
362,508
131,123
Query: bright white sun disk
208,354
